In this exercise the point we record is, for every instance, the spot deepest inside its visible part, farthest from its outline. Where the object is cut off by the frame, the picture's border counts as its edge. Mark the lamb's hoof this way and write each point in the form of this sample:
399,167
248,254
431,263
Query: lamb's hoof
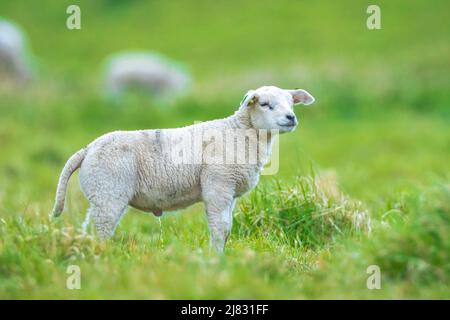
56,213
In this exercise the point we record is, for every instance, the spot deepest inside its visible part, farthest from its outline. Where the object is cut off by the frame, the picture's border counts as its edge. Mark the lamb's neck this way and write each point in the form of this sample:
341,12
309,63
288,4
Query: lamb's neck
264,142
239,120
263,139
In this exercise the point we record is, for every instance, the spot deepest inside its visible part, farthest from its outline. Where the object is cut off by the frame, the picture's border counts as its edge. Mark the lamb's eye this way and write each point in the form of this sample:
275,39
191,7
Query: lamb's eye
266,104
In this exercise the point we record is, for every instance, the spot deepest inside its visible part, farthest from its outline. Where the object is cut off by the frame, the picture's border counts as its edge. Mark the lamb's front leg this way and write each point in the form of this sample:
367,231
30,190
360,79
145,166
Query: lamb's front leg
219,211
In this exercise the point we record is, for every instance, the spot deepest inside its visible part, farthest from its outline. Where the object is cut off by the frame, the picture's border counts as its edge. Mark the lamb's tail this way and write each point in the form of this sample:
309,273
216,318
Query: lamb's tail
71,165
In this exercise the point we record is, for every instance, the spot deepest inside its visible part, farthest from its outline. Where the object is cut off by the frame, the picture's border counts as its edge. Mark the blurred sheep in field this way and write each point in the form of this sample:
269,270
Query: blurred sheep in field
14,56
148,72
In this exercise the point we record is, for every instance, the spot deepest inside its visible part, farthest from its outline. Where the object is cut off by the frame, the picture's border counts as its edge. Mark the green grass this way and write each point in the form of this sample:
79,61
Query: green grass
310,214
364,180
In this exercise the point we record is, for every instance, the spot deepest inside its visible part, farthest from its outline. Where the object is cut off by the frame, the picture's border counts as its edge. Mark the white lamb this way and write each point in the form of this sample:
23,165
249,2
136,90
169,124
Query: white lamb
13,53
144,169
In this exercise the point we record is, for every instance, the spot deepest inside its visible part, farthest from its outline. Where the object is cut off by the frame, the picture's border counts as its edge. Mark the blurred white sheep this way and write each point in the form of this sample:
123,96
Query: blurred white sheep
150,72
14,56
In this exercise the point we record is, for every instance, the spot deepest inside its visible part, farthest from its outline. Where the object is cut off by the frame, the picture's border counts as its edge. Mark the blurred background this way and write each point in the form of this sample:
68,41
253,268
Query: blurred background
380,122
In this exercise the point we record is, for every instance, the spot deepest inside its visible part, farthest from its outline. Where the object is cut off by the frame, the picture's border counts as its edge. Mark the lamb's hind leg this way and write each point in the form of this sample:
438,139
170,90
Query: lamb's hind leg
107,178
107,207
107,215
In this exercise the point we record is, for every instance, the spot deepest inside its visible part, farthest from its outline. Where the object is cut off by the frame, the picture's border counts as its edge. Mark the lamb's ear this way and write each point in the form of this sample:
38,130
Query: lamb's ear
249,99
301,96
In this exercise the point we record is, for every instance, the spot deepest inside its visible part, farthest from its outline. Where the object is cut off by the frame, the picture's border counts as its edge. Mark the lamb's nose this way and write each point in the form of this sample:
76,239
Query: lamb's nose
290,117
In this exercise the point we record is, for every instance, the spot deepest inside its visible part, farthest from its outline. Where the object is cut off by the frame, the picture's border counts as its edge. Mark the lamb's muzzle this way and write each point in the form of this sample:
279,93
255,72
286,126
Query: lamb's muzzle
137,168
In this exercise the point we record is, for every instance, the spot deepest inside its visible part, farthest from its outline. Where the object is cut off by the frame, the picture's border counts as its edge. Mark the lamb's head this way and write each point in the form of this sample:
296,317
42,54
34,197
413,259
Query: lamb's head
272,108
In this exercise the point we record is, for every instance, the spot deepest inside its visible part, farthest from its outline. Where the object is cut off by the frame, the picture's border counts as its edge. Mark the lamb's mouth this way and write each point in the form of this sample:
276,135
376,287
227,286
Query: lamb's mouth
288,125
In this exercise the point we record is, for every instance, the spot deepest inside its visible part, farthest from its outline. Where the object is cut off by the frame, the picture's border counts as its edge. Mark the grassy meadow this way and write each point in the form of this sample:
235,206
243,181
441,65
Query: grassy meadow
364,179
